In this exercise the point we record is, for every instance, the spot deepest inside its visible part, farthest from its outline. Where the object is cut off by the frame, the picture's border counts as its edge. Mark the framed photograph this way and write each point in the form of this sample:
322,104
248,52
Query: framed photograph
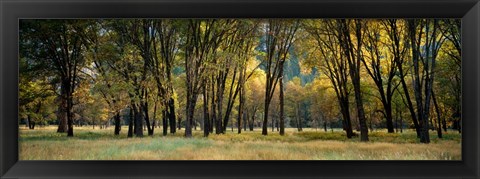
239,89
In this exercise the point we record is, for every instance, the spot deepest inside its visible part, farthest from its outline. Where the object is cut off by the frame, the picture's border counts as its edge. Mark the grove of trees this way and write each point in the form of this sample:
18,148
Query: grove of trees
179,74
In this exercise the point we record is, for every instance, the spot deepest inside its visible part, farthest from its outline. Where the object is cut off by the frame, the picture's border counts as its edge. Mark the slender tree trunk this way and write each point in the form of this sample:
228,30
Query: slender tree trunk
117,123
388,112
29,122
190,114
240,112
409,102
347,125
439,116
265,116
424,137
165,121
206,115
282,105
325,126
172,115
241,105
150,129
354,59
252,122
69,111
179,124
130,123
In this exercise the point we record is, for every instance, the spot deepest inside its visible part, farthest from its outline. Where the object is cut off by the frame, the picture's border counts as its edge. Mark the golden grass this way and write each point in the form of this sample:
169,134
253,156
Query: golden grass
101,144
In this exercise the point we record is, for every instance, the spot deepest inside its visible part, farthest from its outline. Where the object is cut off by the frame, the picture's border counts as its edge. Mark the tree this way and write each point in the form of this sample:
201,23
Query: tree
381,66
279,36
332,64
295,97
202,40
352,49
60,44
323,99
425,55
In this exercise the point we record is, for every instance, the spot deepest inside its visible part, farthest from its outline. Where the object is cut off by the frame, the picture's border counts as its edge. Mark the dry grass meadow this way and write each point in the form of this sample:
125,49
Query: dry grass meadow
44,143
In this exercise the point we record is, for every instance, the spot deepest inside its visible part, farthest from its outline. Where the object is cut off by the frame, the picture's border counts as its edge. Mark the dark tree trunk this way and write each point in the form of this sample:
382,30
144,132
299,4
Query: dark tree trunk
325,126
240,112
409,101
138,121
282,104
117,123
165,122
354,59
388,112
213,121
29,122
439,117
252,122
347,125
221,125
245,119
69,95
130,123
179,124
277,50
206,115
399,61
172,116
265,118
150,128
62,114
190,112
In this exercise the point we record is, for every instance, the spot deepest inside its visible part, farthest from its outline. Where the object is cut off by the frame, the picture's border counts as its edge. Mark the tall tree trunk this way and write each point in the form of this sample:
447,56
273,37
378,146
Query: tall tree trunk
172,115
282,104
347,125
179,123
117,123
388,112
130,123
206,115
245,119
439,116
190,114
325,126
69,93
265,118
240,109
29,122
252,122
62,114
409,101
221,126
150,128
165,121
354,59
137,114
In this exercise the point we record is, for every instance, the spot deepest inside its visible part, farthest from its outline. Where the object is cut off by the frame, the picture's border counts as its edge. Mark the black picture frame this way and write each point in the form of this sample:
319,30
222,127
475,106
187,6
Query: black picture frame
12,10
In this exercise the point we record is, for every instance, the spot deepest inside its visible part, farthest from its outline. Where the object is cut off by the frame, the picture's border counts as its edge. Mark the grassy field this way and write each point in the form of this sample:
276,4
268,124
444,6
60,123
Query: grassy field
100,144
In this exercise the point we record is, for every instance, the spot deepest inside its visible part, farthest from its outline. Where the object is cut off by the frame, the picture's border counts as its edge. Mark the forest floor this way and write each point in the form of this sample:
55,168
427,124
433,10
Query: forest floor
44,143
